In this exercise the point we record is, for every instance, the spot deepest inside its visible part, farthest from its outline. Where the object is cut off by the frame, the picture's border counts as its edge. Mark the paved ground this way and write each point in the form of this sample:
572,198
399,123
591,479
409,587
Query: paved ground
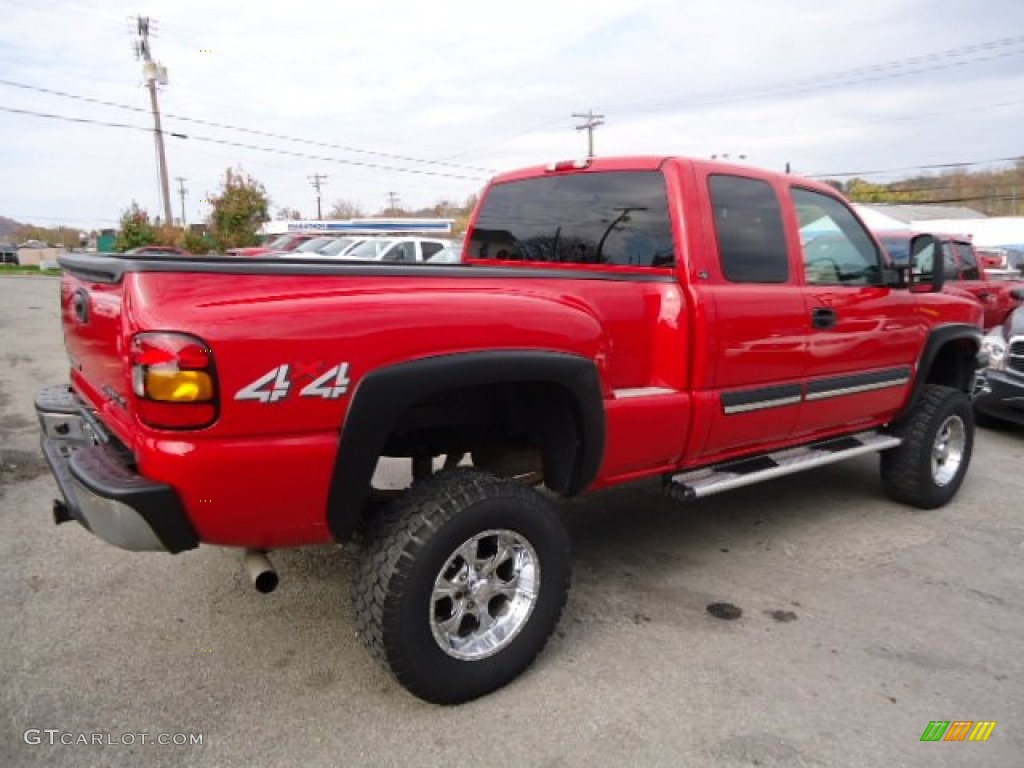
862,621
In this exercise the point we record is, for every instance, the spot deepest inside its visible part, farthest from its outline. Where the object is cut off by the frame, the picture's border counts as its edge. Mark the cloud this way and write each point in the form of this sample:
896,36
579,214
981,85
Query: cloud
826,87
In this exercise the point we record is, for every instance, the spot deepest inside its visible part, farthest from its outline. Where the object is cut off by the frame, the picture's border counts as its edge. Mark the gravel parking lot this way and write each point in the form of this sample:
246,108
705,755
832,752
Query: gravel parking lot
862,621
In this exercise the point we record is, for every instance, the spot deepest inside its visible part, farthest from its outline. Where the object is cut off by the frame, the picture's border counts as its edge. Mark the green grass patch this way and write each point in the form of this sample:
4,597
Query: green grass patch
15,269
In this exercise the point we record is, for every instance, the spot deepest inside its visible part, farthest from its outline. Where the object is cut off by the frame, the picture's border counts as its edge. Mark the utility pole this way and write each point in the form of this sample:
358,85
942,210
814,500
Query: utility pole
393,202
317,180
153,72
590,122
181,192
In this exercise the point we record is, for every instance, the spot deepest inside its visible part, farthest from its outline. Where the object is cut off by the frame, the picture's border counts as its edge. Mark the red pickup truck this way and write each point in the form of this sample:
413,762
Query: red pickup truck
963,270
611,320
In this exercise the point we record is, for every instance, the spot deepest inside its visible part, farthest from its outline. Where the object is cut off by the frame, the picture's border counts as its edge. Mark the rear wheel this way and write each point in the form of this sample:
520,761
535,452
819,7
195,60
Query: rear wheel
461,583
927,469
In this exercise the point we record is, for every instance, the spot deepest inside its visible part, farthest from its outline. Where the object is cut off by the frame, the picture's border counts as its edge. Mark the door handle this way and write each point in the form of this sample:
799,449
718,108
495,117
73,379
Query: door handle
823,317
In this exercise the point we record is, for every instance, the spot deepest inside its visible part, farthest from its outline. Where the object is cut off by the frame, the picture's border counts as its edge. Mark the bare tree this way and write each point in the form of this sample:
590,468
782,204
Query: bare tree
345,209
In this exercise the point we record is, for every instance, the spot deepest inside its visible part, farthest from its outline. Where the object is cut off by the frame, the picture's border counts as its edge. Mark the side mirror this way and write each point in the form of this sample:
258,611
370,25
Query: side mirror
926,262
1018,294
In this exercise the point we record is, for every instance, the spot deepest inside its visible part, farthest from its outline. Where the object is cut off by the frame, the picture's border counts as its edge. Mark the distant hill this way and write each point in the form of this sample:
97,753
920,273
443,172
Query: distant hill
8,227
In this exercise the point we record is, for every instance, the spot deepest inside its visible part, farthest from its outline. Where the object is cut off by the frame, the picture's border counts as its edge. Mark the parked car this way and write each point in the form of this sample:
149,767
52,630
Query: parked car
313,245
335,249
450,254
1000,394
992,258
157,250
963,272
401,249
287,242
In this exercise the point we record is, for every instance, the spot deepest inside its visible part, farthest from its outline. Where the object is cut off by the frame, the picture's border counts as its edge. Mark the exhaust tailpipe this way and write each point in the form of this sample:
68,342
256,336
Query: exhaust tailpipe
261,573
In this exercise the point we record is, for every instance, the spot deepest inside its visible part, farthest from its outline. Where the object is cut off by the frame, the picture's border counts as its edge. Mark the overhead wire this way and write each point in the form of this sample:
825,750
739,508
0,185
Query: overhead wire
242,129
940,60
242,145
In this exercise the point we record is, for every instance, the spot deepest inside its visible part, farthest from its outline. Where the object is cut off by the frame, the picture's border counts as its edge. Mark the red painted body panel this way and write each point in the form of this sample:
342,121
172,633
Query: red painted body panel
667,352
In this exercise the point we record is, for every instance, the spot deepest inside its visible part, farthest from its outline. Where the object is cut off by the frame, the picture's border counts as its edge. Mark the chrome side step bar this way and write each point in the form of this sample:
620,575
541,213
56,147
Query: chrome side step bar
698,483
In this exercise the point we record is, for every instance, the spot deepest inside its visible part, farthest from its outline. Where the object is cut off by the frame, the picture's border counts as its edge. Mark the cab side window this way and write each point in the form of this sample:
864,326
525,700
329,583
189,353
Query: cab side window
968,262
837,250
748,225
949,266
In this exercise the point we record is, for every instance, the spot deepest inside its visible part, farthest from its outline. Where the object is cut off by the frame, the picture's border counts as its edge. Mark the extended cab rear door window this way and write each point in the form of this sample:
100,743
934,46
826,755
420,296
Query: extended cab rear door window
748,225
837,249
615,217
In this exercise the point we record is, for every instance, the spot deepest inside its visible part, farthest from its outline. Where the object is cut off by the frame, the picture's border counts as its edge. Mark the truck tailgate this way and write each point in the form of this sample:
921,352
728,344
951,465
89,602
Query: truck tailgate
91,313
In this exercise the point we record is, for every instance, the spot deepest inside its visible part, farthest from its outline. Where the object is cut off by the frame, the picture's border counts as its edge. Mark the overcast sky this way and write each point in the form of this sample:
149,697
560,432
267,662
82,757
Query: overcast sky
427,100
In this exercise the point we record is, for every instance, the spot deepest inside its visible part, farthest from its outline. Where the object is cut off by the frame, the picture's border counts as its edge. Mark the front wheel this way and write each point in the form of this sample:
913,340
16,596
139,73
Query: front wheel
926,470
461,583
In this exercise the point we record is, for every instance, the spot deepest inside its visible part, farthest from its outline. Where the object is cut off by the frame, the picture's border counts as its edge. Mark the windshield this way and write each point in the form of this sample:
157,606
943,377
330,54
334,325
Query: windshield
338,245
450,254
313,245
371,249
617,217
280,242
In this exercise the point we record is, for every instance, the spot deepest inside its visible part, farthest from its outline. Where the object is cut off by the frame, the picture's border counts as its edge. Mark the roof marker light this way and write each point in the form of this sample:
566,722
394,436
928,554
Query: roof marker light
569,165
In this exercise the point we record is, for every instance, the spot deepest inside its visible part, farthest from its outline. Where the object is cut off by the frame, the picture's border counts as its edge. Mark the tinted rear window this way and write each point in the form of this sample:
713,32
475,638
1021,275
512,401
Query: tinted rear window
616,218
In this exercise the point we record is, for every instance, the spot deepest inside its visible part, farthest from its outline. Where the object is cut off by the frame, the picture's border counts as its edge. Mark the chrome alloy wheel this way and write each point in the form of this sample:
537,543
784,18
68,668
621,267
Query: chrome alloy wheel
948,449
484,594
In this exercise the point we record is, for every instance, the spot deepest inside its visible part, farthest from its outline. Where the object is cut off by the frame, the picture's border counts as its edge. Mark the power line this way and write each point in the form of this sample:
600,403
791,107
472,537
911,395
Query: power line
241,145
423,172
241,129
961,56
934,166
947,59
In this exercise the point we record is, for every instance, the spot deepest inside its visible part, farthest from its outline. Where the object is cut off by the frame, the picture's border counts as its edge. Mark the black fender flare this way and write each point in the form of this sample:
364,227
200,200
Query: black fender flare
383,395
937,340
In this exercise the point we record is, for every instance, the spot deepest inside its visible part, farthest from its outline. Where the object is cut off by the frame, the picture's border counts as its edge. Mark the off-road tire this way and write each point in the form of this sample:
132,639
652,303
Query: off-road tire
914,472
402,562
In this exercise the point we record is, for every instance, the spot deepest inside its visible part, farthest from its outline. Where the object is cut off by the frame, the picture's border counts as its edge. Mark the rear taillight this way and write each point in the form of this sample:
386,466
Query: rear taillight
174,379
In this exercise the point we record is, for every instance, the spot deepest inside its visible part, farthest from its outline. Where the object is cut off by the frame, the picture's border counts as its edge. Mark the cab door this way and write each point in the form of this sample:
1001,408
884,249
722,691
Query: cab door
758,329
863,336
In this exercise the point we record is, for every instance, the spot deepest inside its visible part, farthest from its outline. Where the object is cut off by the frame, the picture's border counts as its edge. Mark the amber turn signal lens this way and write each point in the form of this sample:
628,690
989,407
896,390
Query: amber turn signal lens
178,386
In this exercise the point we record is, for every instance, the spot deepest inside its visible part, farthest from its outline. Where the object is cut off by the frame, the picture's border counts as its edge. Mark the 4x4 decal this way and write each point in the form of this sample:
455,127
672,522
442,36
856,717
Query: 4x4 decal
277,383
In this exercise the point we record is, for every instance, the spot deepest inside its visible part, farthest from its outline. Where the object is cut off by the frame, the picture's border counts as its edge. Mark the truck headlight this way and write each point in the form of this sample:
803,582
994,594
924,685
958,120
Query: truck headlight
994,345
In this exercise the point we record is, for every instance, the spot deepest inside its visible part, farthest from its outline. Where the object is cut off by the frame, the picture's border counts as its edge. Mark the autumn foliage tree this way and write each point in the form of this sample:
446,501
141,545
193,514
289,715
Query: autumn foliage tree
135,229
238,210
